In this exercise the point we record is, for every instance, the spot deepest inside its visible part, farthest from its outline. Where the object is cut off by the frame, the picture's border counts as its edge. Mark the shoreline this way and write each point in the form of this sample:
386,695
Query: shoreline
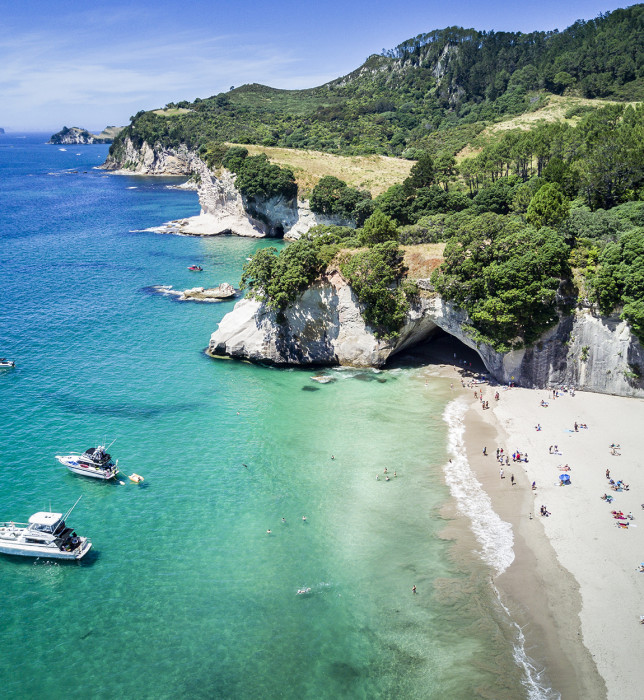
573,586
543,597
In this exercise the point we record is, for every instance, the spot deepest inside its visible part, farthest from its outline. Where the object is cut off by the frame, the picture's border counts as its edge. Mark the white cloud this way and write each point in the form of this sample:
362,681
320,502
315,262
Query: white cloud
46,79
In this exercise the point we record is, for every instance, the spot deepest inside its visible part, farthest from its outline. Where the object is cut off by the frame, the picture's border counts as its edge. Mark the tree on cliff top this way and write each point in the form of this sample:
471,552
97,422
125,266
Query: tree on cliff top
506,276
332,196
374,276
278,279
378,228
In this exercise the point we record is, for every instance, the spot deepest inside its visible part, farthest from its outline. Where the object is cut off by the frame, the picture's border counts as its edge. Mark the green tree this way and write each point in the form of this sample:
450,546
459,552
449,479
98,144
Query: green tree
277,280
563,80
378,228
506,276
396,202
332,196
548,207
422,173
446,169
374,276
257,178
620,279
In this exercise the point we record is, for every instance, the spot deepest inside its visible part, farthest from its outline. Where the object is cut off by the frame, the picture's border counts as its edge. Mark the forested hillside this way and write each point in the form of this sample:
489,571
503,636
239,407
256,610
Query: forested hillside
434,92
535,222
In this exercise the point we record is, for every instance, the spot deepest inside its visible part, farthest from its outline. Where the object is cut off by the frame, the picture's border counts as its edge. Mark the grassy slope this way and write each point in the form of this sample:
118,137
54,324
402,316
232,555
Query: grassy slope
377,173
421,260
554,111
373,173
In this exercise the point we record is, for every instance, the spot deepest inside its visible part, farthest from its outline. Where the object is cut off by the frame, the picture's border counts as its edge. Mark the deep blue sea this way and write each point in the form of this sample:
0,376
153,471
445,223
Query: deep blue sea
184,594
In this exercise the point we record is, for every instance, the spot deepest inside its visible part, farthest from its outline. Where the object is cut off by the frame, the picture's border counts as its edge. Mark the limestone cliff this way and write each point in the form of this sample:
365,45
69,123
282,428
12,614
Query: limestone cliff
325,327
223,208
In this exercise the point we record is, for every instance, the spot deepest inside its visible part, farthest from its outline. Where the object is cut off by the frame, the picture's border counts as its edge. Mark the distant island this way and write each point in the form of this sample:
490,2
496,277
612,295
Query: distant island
75,134
1,130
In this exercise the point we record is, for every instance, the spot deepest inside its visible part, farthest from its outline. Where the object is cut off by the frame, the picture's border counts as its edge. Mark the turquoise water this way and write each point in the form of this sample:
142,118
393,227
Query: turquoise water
184,593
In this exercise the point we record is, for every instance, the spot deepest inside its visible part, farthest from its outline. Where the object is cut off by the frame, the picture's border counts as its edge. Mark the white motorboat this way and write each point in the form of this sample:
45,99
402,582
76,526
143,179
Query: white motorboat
6,363
45,535
94,462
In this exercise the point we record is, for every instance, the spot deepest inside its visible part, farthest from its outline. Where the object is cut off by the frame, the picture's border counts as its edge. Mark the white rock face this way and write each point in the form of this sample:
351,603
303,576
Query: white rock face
325,326
223,208
584,350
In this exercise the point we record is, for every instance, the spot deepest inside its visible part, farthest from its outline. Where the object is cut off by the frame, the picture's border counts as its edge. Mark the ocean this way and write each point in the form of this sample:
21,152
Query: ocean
185,594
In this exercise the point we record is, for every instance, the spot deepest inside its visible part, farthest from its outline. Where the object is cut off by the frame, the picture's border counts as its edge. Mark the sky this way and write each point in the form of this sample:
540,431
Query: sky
97,63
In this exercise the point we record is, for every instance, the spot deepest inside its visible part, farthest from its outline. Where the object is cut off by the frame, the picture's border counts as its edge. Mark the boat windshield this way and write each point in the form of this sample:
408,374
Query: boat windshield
47,522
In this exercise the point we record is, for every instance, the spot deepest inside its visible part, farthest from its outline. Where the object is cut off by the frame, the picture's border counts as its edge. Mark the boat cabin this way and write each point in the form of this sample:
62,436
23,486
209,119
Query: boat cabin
46,522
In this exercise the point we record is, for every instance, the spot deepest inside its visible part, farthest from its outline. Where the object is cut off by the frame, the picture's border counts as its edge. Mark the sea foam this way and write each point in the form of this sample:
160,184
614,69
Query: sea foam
493,534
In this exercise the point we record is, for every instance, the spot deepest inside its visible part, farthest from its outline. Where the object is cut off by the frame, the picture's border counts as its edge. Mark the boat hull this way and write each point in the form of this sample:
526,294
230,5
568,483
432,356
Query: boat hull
22,549
77,468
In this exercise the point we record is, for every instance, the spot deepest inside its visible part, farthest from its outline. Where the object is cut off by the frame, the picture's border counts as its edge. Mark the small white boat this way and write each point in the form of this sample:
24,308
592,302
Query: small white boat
45,535
4,363
62,149
94,462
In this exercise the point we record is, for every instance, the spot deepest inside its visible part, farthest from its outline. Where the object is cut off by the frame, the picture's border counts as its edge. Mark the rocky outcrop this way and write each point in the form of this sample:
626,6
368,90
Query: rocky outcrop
76,135
326,327
223,208
223,291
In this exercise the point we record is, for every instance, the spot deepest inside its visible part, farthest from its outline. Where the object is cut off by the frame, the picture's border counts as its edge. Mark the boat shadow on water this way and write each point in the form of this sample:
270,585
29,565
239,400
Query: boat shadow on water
123,410
121,479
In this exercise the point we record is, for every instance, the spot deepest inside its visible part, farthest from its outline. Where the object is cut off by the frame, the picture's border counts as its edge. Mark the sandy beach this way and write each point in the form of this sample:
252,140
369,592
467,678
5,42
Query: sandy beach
575,583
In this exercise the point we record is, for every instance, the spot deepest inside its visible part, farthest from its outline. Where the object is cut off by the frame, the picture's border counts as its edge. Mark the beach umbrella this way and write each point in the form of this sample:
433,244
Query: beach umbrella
564,478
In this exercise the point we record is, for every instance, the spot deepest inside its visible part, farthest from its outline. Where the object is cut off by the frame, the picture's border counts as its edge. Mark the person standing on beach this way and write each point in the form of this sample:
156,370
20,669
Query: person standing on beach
512,479
501,473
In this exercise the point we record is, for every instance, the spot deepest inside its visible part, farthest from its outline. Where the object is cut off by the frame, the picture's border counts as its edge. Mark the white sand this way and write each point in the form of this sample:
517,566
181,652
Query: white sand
602,557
